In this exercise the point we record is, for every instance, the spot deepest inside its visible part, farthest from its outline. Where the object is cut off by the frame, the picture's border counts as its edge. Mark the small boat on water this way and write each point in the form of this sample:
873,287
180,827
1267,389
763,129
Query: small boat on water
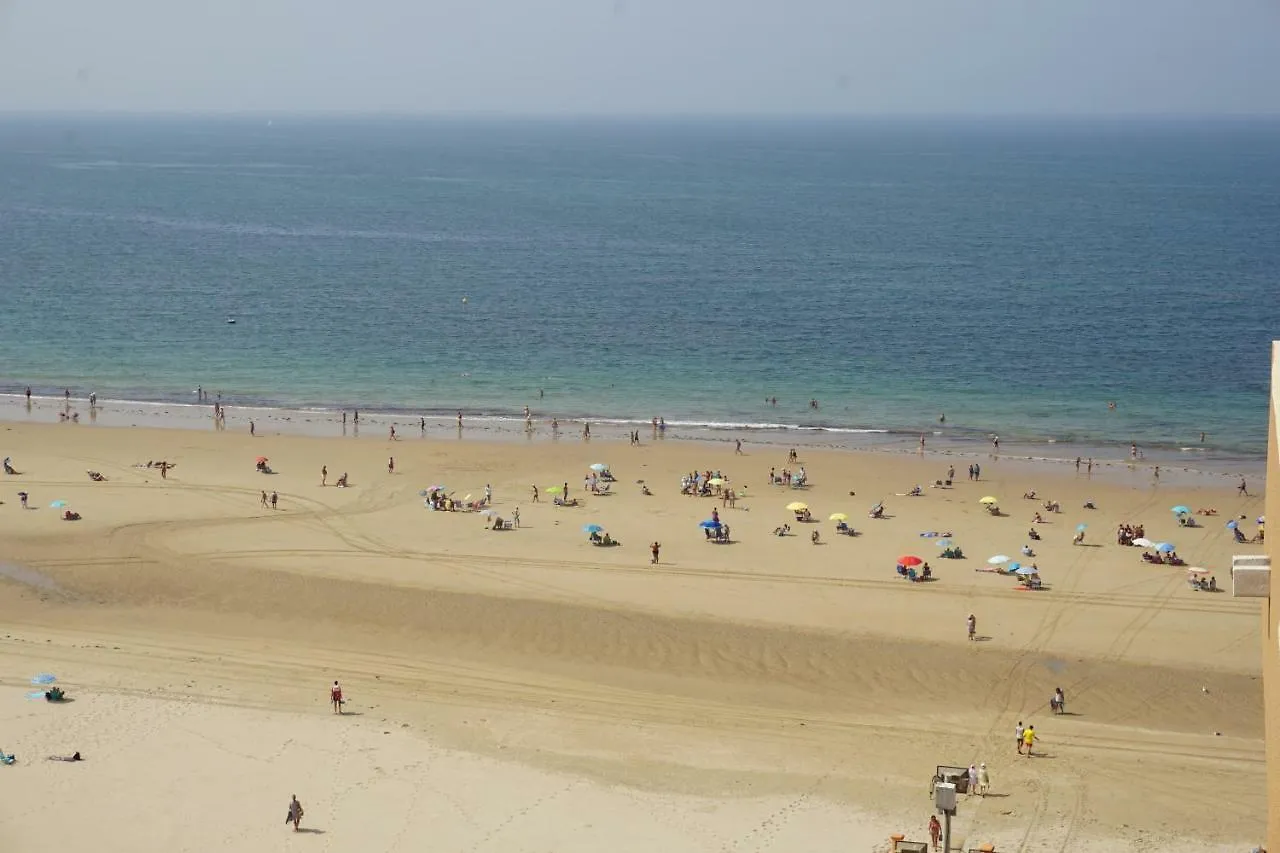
231,321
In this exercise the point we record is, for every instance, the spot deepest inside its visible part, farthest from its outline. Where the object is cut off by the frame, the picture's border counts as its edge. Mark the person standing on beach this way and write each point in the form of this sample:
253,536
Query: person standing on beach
355,416
654,549
565,496
977,471
29,400
922,442
995,442
1077,464
973,779
324,475
1018,731
534,487
275,498
391,435
295,813
391,464
1089,467
422,424
515,518
459,418
253,430
586,430
335,696
1244,488
93,399
264,497
738,448
344,417
488,495
935,831
1029,738
984,780
972,624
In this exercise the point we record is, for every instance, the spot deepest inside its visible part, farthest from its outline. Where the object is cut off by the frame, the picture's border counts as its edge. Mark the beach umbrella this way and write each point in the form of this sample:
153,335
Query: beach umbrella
716,481
261,459
423,493
488,512
1165,548
435,488
998,559
467,498
988,500
553,490
943,543
1262,519
909,560
1144,543
710,524
57,505
797,506
592,528
1080,528
44,678
1180,510
1025,570
598,467
1195,570
839,516
1231,525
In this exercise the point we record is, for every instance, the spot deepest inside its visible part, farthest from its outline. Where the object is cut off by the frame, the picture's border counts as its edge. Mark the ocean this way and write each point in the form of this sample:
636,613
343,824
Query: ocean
1015,276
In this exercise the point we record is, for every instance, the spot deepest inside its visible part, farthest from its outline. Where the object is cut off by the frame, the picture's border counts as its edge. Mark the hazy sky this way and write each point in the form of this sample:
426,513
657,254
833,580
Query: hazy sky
643,56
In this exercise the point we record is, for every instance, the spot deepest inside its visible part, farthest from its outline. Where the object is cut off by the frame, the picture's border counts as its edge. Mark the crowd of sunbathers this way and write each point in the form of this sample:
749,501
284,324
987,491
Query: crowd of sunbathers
439,501
1169,559
786,477
1126,533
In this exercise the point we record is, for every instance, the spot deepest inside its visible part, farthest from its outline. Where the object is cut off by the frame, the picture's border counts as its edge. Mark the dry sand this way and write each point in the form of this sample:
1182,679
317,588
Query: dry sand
524,690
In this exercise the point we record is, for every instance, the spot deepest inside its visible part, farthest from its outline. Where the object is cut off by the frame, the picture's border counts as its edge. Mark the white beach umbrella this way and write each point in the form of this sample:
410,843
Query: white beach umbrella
1144,543
998,559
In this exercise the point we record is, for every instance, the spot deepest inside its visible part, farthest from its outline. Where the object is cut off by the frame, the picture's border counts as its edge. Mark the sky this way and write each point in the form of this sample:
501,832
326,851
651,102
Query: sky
625,57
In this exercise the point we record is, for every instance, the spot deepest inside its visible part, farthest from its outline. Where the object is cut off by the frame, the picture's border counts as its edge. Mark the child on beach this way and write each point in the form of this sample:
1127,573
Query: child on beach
335,696
972,624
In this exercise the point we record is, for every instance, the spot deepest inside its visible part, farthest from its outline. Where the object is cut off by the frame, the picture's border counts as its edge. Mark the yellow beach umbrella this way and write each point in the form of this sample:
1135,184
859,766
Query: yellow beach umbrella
797,506
553,490
839,516
988,500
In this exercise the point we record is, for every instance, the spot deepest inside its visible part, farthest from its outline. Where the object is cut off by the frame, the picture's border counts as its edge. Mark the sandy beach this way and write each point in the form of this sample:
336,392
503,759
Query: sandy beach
526,690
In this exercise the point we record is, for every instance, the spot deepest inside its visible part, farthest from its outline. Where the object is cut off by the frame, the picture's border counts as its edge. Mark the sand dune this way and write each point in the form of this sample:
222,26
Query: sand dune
764,695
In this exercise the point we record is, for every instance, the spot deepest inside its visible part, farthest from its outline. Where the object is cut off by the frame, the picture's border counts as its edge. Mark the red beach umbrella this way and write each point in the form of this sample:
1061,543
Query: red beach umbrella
909,560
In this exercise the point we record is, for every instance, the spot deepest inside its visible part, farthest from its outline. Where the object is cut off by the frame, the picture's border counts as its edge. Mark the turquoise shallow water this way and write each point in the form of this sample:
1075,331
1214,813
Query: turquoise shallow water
1015,276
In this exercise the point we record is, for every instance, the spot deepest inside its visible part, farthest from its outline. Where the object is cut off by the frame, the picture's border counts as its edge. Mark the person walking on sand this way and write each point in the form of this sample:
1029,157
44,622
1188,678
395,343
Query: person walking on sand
22,499
1244,488
973,779
488,495
264,497
515,518
654,549
391,464
324,475
274,500
335,696
935,831
972,624
1018,732
535,492
391,435
1029,739
984,780
295,813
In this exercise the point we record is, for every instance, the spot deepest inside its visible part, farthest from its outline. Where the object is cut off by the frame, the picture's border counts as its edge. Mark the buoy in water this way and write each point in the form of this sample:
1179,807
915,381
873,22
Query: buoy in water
464,300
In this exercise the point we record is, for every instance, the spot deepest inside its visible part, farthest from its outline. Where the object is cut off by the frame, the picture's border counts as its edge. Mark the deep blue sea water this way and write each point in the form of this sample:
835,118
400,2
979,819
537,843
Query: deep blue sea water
1013,275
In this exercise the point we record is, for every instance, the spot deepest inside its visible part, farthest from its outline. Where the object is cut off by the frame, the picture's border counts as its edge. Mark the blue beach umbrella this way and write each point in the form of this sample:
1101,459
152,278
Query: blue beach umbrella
710,524
1231,525
1025,570
943,543
1180,510
1080,528
44,678
1165,547
592,528
599,466
57,505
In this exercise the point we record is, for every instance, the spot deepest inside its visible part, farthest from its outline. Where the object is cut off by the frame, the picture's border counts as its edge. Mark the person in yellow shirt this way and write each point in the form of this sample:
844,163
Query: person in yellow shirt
1029,738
